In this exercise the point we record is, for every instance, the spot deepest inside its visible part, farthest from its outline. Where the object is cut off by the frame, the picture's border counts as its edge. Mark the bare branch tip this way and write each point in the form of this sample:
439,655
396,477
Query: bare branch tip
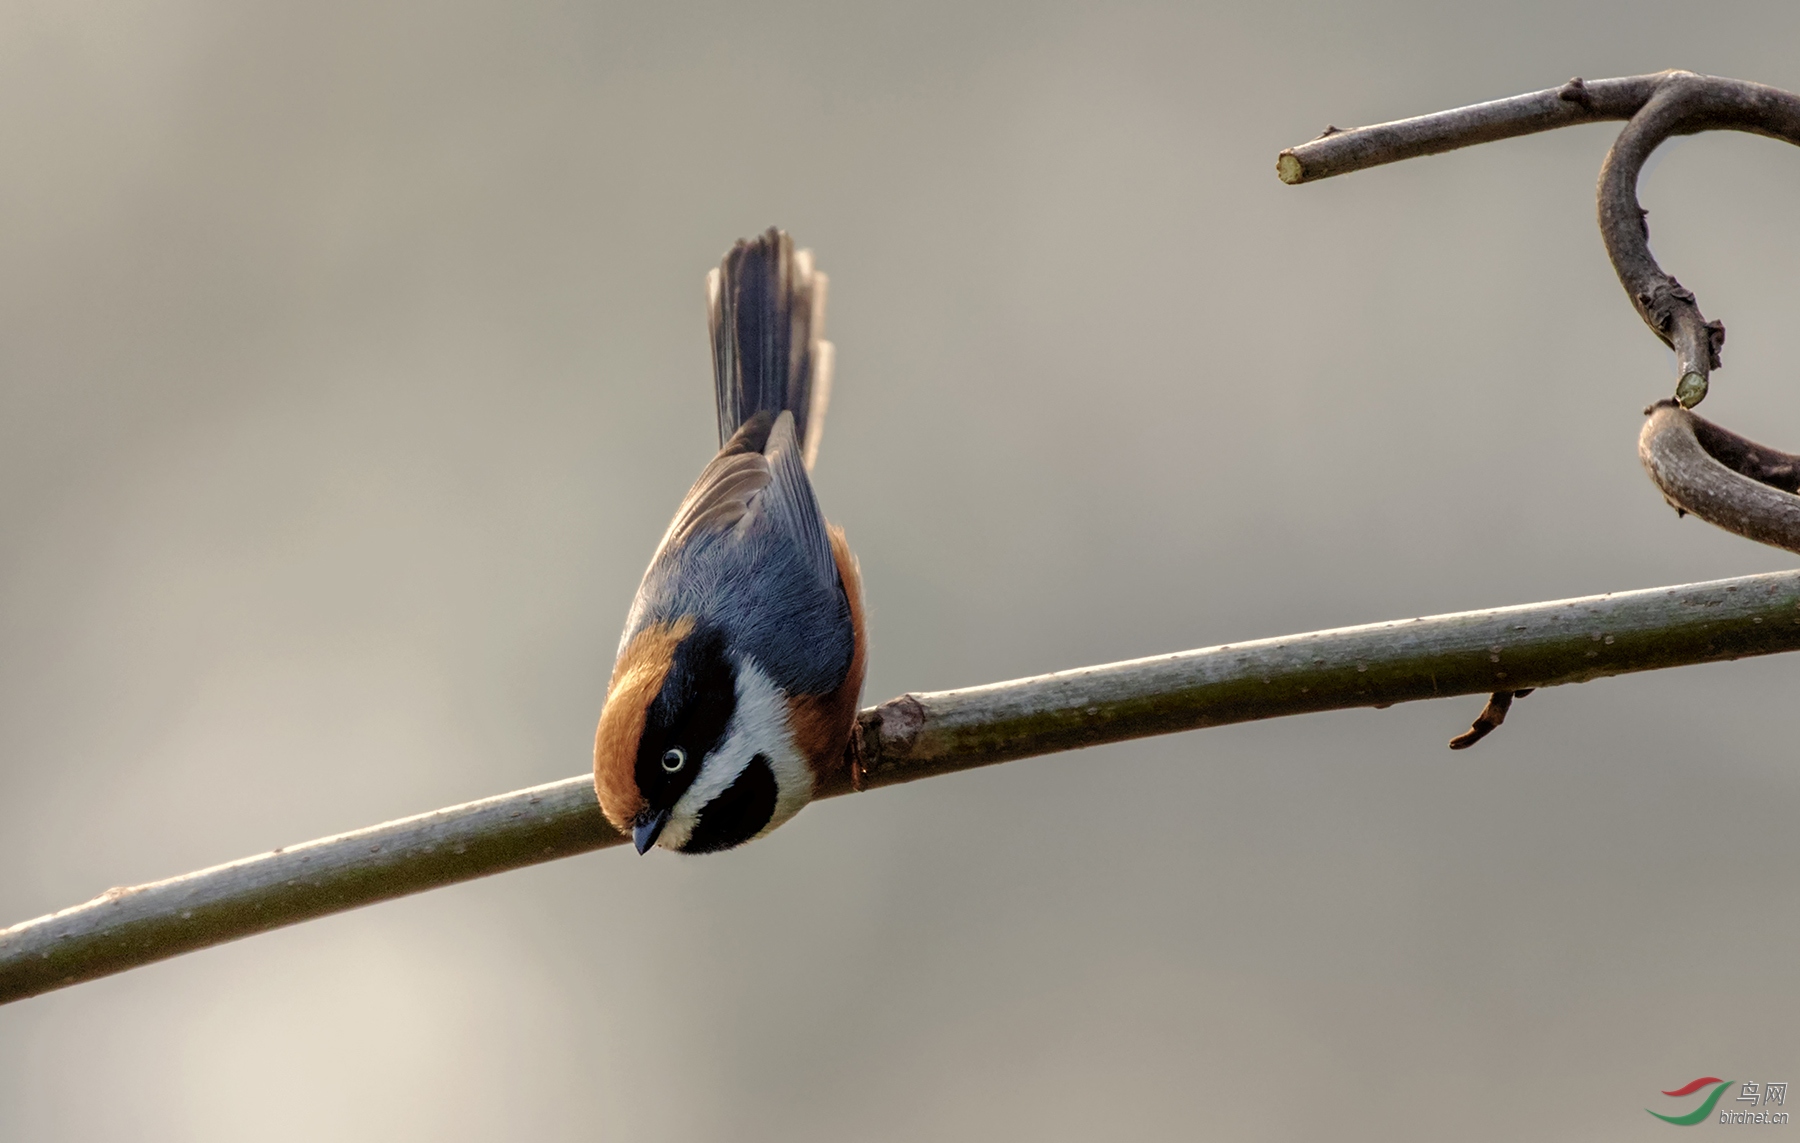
1289,169
1690,390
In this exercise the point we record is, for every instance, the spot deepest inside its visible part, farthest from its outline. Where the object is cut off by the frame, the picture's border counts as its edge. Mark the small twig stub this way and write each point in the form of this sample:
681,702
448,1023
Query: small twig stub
1491,716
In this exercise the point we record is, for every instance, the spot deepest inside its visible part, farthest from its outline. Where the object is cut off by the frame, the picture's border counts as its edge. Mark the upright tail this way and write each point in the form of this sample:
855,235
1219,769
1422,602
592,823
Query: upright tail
766,305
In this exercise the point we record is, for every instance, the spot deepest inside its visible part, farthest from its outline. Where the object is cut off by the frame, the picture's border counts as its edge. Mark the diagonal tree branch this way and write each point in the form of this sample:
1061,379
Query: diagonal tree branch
923,735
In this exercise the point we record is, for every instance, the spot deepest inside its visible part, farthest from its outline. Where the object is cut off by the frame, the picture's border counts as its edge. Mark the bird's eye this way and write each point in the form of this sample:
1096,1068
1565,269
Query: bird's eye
674,759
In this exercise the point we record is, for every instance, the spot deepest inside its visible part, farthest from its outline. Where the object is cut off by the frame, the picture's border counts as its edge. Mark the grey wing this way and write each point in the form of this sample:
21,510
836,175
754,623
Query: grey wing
789,503
677,578
719,499
748,552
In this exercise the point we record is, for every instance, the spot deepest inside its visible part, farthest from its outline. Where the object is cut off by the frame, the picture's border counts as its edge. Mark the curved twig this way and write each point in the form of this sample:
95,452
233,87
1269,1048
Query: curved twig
1658,106
1701,468
1683,104
1722,478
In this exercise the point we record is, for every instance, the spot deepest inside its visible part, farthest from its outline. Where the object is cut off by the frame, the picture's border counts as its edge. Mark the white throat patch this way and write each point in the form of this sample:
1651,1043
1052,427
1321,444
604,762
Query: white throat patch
758,726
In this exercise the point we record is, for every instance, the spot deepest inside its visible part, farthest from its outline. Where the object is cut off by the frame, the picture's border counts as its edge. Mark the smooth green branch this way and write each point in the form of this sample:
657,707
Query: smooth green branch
921,735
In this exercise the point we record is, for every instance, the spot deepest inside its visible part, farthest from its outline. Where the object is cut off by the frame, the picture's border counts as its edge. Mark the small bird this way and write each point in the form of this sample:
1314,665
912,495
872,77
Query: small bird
736,684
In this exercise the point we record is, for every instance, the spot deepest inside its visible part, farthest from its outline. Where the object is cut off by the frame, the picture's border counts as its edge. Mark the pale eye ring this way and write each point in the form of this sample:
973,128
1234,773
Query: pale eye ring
673,759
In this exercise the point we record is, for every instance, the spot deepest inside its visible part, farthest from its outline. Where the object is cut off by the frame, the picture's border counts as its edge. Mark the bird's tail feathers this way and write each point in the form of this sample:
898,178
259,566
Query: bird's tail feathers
766,306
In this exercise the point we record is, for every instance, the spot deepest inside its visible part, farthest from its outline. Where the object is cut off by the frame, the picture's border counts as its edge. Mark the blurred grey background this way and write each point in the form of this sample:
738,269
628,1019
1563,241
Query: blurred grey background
352,360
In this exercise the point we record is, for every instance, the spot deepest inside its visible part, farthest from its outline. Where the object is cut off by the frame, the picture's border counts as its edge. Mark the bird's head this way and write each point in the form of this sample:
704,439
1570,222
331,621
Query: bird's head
693,750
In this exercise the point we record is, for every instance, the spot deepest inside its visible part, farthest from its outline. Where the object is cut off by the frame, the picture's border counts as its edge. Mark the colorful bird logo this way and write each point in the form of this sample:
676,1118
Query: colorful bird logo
1705,1109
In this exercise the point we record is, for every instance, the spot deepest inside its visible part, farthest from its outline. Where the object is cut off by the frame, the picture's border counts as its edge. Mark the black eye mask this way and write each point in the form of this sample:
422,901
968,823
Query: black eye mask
689,714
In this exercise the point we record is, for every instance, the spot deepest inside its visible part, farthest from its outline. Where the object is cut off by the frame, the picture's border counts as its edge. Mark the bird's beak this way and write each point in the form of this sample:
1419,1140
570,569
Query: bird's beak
646,830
